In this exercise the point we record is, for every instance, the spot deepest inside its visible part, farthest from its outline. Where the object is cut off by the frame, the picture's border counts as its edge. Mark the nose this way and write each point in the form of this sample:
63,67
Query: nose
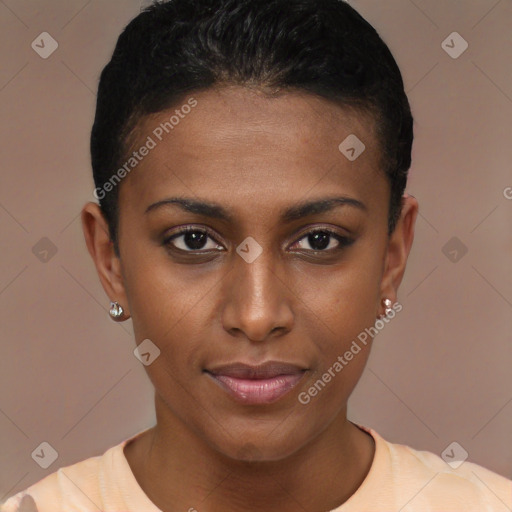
257,299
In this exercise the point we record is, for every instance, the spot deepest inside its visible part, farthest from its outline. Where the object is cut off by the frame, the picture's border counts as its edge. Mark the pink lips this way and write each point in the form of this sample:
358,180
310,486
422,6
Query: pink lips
262,384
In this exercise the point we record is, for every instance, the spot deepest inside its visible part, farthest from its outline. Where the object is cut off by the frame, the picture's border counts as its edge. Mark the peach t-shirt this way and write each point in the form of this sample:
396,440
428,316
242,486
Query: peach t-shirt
400,479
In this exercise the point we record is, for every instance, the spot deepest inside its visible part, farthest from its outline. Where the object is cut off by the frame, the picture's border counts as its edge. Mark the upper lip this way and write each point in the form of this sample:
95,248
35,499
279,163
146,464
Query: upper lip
266,370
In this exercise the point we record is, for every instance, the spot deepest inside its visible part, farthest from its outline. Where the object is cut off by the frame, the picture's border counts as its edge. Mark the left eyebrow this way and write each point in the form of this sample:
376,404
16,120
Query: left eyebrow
319,206
295,212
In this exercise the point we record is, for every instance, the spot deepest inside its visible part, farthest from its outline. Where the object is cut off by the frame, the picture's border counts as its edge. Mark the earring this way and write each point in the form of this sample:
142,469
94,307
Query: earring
387,308
116,311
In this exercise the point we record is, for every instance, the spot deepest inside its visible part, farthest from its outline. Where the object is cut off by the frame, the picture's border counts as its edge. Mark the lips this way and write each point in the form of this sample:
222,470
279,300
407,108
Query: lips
261,384
266,370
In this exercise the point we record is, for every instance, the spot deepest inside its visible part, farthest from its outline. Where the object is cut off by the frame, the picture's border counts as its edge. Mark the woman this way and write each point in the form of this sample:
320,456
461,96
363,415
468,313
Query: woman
250,159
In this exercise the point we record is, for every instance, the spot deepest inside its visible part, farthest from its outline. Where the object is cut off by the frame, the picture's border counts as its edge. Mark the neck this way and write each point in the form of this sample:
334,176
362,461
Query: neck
175,466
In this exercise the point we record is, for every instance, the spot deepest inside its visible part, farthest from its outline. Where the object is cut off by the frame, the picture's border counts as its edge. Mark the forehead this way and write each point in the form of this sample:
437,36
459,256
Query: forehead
236,142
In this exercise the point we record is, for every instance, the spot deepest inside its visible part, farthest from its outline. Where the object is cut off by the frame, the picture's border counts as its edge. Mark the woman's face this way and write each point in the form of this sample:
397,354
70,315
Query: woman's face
252,286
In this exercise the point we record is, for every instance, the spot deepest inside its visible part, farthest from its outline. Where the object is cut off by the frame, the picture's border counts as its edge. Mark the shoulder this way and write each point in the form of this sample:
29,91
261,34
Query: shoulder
76,487
429,481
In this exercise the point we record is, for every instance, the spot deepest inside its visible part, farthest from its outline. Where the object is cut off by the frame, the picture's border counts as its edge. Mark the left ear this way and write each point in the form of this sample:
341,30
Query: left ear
399,246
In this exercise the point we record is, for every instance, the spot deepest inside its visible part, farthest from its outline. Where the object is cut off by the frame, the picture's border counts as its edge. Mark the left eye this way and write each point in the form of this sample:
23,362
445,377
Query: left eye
321,240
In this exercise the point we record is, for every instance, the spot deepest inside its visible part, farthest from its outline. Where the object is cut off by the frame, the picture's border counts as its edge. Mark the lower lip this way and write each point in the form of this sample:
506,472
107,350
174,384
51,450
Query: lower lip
258,391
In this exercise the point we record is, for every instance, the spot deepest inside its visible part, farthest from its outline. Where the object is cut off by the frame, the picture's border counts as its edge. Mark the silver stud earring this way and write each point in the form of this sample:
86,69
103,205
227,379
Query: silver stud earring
387,308
116,311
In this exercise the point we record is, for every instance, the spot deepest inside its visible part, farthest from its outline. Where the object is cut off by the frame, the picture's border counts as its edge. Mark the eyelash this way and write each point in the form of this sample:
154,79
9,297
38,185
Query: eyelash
342,240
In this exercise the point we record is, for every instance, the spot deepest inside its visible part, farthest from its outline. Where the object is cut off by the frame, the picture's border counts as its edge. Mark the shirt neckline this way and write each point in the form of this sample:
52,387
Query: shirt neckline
370,485
138,501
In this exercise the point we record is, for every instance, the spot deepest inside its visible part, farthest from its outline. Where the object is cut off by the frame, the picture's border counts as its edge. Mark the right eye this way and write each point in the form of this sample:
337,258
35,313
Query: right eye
191,239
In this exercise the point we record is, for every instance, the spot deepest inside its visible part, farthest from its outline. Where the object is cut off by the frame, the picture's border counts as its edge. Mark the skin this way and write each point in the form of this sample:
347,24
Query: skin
256,156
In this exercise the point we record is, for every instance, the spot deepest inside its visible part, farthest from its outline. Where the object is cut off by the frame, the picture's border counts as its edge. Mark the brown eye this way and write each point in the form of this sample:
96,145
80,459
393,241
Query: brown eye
324,240
191,239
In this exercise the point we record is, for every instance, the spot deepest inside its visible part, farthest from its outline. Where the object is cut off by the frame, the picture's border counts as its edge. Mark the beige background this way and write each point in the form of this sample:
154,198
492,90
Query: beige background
438,373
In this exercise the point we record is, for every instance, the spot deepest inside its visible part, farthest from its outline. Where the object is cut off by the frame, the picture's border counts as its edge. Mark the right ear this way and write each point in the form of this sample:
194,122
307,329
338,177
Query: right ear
101,249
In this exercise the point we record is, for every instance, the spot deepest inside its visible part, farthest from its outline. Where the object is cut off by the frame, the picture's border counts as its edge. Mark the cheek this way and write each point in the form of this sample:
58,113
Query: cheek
159,292
342,345
339,308
343,299
169,305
